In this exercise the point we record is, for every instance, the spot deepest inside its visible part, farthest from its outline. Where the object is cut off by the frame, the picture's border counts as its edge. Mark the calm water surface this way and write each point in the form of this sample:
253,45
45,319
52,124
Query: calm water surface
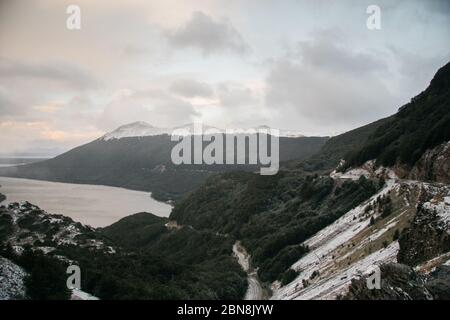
94,205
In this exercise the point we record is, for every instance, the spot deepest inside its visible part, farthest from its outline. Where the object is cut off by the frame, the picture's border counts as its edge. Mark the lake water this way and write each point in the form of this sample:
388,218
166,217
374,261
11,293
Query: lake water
97,206
18,161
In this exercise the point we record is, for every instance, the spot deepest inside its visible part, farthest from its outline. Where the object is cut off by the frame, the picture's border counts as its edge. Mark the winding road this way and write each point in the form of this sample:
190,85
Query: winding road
254,291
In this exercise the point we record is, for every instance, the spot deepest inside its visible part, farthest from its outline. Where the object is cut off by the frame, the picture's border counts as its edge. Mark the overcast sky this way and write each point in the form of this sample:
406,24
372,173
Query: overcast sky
311,66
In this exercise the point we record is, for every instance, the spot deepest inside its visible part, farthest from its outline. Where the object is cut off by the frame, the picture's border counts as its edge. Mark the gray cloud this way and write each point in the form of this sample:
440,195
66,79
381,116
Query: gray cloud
8,106
64,73
325,53
190,88
210,36
153,106
329,85
232,95
439,6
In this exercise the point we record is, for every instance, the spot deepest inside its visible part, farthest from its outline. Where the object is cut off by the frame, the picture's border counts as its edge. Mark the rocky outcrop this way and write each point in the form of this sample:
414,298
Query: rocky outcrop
433,165
423,268
425,239
23,224
401,282
438,282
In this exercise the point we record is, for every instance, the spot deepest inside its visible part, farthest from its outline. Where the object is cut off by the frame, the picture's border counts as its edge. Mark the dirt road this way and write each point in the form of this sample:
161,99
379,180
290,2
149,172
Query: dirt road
255,290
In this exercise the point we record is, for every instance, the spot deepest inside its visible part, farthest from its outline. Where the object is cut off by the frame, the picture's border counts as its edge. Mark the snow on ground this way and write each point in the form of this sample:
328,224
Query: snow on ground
345,228
81,295
344,249
353,174
143,129
367,170
334,275
66,231
337,284
386,172
135,129
430,265
442,207
67,235
11,280
324,243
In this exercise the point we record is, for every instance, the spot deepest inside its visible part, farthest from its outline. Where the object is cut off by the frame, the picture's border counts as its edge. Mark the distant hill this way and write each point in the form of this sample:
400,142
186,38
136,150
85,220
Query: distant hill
142,162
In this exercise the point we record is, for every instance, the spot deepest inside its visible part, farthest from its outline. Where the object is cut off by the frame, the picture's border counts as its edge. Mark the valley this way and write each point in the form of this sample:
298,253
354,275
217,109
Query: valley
376,196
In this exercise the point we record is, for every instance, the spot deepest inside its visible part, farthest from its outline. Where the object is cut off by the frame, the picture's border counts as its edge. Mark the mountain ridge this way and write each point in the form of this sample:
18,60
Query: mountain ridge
144,129
143,164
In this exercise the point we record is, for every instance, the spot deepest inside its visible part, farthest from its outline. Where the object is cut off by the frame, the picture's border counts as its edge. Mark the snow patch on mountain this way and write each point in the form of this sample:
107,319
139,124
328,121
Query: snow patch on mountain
337,284
321,259
442,208
135,129
143,129
368,170
78,294
362,237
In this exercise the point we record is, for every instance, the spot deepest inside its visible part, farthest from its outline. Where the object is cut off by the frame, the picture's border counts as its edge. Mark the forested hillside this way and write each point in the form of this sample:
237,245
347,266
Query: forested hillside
418,126
143,163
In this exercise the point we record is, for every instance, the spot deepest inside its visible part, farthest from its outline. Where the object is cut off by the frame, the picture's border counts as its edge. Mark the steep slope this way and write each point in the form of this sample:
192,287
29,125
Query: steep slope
337,147
271,216
142,163
420,125
314,233
400,282
369,235
405,222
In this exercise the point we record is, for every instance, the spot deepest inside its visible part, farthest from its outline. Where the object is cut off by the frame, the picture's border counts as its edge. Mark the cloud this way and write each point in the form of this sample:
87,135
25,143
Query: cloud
64,73
51,107
232,95
7,105
328,86
207,35
154,106
325,52
439,6
190,88
41,138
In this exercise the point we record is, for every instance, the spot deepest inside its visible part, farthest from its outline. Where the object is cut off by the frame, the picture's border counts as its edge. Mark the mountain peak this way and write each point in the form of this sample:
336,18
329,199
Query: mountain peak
144,129
441,80
135,129
136,124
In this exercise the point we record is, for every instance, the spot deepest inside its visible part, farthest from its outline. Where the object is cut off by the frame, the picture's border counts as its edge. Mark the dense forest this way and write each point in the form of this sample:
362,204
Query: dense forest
272,215
148,261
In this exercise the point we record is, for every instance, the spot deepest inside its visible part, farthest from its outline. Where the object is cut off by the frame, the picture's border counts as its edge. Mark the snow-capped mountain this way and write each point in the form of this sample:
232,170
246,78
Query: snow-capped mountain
144,129
138,156
135,129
